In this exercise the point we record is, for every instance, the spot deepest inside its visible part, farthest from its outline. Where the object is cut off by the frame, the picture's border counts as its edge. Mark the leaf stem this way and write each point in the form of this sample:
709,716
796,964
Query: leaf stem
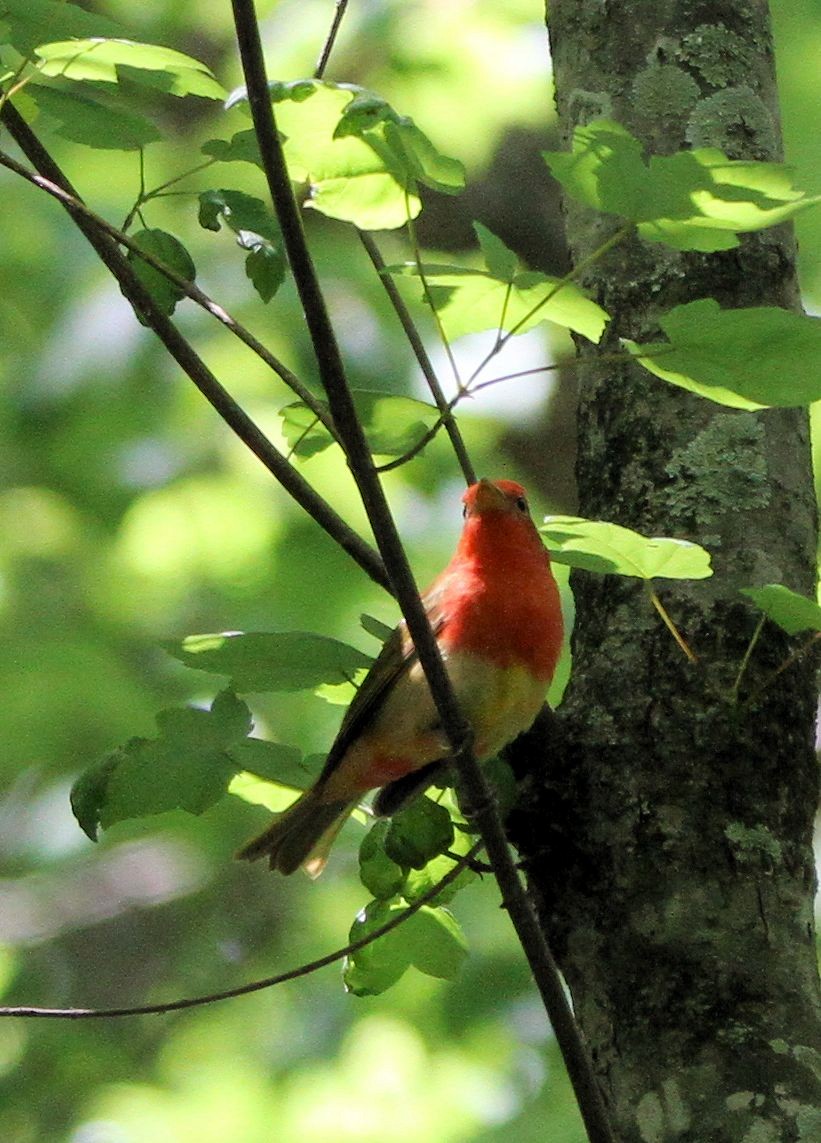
746,659
669,624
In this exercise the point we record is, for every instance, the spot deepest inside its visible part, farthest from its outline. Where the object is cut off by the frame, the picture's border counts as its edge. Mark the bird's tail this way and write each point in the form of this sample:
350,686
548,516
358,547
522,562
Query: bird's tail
301,836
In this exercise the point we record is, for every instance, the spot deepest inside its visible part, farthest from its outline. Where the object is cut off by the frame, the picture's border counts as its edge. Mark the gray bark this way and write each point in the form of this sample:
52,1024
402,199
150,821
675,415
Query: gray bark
669,846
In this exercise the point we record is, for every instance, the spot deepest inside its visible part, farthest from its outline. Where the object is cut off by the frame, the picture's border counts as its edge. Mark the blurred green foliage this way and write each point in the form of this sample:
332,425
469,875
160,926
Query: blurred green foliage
129,515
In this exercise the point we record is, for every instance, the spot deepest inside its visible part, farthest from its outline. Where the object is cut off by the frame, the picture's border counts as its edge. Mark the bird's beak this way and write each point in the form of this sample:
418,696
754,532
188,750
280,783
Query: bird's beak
488,497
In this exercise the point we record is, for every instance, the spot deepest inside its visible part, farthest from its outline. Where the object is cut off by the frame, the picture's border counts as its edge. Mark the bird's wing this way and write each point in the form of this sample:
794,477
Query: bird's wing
396,657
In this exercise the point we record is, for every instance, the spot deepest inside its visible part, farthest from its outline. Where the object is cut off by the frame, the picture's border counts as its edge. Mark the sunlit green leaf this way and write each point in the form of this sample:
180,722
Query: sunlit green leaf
97,59
171,252
393,425
380,875
469,301
263,661
693,200
360,160
501,262
418,833
746,358
613,550
187,766
434,942
85,120
791,611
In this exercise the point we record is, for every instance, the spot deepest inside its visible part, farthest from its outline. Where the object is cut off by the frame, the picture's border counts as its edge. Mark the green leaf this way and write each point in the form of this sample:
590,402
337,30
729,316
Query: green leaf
434,942
791,611
28,21
747,358
393,425
501,262
274,762
381,876
170,251
375,968
361,162
612,550
418,833
242,147
375,627
692,200
87,121
257,231
469,301
262,661
187,766
97,59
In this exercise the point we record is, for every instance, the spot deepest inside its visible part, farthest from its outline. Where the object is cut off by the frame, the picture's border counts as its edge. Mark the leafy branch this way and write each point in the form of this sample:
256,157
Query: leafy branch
192,364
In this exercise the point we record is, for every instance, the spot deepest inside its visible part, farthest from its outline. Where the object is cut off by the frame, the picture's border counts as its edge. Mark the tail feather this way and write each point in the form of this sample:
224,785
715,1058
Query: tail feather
301,836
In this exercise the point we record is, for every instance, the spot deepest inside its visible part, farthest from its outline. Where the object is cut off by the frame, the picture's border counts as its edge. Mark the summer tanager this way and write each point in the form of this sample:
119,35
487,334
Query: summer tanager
497,619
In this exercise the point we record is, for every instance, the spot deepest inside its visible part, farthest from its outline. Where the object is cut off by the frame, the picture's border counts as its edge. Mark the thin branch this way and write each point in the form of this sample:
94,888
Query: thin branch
398,302
77,207
330,39
457,729
183,353
462,862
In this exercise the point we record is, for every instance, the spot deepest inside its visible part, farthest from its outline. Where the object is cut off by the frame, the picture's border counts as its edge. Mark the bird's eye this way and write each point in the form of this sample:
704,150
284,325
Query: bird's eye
521,504
464,511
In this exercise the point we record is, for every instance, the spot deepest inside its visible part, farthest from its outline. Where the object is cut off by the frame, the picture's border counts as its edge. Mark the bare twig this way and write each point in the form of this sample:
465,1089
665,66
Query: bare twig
445,407
330,39
515,898
462,862
183,353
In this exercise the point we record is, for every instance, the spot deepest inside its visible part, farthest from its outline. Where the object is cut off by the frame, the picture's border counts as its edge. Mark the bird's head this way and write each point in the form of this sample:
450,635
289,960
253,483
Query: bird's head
488,497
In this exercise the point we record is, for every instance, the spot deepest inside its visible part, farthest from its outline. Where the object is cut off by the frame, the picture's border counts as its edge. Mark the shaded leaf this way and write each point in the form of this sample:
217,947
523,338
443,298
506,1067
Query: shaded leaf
393,425
746,358
375,627
27,21
257,231
501,262
242,147
791,611
170,251
187,766
380,875
375,968
418,833
85,120
610,549
274,762
262,661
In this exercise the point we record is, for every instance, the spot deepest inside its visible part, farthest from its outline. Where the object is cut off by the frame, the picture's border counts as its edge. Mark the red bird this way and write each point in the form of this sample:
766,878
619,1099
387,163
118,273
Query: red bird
497,619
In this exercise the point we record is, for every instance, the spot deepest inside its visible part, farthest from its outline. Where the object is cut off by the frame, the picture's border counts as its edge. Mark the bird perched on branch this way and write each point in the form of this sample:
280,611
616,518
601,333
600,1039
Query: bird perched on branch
497,619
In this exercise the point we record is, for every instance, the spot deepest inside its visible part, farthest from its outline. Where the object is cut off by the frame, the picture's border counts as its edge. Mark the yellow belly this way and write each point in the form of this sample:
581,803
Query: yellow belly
499,702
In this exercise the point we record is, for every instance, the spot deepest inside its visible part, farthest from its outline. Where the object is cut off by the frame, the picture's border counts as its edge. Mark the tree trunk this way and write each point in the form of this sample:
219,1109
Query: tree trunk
669,847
